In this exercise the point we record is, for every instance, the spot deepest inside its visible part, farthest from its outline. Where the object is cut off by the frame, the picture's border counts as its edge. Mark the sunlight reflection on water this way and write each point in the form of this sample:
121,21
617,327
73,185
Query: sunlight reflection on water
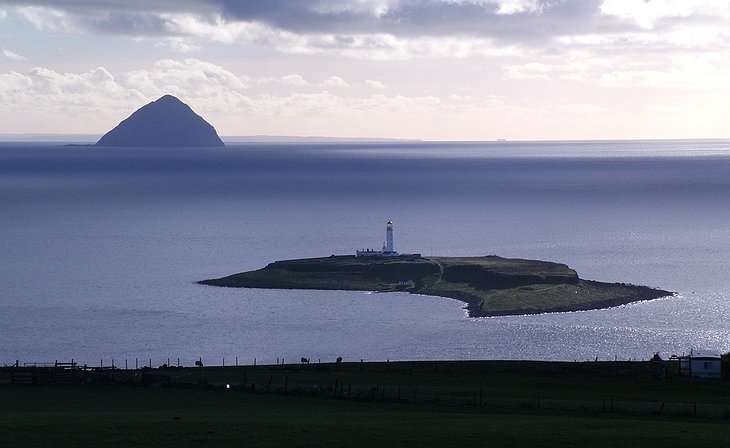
104,248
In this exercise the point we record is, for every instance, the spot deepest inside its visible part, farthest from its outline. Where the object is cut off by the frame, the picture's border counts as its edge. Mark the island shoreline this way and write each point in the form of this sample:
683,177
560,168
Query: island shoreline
489,286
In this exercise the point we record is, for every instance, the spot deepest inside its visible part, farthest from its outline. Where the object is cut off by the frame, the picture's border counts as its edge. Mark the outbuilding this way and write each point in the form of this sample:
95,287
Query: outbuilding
702,364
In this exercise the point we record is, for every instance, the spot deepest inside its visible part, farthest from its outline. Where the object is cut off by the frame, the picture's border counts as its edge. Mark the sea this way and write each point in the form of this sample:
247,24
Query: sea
102,248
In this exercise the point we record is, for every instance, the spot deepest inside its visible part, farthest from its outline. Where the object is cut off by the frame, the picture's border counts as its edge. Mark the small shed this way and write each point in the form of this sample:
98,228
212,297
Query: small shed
703,364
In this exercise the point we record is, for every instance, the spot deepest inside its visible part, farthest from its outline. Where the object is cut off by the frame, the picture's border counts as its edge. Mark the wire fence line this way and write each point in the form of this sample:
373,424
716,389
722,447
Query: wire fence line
480,384
155,362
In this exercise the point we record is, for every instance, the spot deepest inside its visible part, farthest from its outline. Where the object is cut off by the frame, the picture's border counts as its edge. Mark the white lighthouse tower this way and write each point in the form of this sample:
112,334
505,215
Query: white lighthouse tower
388,249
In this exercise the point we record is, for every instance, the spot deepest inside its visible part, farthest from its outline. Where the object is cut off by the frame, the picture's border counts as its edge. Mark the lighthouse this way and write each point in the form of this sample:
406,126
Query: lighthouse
387,250
388,238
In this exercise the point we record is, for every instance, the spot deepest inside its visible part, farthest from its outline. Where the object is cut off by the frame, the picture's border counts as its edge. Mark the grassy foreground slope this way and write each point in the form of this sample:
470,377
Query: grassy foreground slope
396,404
124,417
490,286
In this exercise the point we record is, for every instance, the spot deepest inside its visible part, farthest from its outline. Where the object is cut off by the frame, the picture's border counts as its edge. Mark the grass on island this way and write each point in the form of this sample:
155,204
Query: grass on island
490,286
538,298
521,404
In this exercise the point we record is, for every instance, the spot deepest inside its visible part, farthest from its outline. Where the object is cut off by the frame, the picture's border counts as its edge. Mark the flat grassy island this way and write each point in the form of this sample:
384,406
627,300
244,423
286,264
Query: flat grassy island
490,285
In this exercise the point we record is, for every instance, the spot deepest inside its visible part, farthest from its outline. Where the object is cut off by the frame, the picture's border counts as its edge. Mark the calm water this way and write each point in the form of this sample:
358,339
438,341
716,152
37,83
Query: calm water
101,248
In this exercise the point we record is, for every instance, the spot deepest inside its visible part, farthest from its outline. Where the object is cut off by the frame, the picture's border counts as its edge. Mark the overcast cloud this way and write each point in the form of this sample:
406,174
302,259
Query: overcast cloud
384,29
508,20
396,68
381,29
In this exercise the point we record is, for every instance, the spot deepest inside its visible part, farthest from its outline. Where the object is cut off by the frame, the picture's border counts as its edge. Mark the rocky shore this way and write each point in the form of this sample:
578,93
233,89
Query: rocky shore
490,285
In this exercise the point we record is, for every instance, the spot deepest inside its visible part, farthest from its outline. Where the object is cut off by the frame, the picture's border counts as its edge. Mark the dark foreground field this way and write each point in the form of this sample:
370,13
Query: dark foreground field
439,404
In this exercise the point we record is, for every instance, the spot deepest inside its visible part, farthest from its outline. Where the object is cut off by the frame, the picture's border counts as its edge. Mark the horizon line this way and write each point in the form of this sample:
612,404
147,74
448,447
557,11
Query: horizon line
32,137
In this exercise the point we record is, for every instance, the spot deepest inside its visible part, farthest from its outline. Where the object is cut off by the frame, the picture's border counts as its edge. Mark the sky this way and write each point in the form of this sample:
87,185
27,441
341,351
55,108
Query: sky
418,69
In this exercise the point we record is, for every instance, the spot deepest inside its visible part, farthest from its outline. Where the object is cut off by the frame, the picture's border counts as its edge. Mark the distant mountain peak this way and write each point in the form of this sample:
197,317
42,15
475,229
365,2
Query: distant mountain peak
166,122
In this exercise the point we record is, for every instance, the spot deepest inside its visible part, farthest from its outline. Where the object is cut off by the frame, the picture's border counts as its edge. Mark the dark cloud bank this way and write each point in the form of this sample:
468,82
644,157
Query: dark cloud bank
405,18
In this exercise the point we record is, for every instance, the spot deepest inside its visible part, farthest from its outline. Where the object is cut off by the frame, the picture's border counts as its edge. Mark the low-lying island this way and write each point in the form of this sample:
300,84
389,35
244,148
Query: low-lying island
490,285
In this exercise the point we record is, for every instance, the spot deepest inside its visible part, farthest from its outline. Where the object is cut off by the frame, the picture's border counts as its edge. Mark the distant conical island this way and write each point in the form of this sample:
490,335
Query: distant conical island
167,122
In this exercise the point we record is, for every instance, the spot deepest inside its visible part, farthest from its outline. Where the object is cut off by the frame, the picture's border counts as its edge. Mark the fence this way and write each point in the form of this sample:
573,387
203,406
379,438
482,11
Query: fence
462,383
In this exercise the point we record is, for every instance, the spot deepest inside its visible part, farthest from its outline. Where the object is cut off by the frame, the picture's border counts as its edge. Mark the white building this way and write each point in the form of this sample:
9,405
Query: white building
387,251
705,364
